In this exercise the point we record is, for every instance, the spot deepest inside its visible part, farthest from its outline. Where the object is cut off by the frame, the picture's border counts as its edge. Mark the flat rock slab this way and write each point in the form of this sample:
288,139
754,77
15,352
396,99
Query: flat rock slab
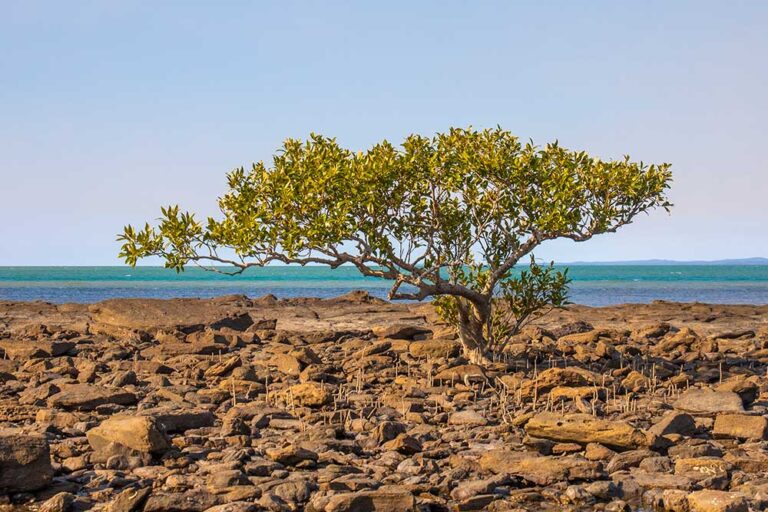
707,401
87,397
16,349
151,315
541,470
584,429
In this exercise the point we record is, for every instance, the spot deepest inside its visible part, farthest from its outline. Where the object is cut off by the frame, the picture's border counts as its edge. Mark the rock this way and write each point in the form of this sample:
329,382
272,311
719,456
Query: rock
674,423
401,331
222,368
539,469
309,394
388,430
189,501
34,349
706,465
60,502
626,460
466,373
380,500
596,451
717,501
180,420
185,315
236,506
467,418
131,499
404,444
25,462
291,455
706,401
434,349
86,397
125,435
584,429
565,377
287,364
741,385
741,426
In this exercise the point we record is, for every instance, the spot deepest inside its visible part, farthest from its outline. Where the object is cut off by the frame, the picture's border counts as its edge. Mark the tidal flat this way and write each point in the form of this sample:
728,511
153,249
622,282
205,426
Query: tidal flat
354,404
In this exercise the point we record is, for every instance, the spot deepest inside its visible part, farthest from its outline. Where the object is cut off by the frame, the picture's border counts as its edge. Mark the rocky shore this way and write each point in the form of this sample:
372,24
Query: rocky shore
355,404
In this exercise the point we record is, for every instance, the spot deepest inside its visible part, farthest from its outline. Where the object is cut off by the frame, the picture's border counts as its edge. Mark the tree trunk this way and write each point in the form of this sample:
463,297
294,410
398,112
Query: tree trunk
471,330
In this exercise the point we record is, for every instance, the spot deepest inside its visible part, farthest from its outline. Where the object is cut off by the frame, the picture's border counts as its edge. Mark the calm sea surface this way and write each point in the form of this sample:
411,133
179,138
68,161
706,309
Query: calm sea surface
592,284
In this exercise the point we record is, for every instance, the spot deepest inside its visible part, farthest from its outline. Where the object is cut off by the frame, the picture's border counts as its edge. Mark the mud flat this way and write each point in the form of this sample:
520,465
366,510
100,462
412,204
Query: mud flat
355,404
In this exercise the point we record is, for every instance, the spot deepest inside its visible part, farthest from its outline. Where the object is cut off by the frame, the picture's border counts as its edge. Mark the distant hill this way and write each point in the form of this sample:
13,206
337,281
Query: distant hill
741,261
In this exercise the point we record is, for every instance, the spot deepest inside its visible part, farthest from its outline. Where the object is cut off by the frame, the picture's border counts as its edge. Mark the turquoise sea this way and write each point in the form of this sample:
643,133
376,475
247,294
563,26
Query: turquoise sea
592,284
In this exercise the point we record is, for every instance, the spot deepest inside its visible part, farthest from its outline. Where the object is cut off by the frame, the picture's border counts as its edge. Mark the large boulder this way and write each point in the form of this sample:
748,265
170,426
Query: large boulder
127,435
584,429
25,461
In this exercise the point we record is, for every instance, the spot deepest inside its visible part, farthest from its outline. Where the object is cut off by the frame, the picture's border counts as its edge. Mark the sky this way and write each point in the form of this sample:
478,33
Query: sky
110,109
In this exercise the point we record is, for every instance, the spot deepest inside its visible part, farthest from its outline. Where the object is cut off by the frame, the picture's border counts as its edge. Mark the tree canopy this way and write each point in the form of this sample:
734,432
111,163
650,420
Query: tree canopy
449,215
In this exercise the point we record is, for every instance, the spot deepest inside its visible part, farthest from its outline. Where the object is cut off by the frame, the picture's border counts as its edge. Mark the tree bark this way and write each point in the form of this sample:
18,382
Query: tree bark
472,322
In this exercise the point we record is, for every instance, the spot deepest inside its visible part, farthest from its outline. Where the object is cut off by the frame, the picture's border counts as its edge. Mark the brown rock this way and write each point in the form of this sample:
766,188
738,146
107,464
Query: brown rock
126,434
291,455
706,401
309,394
539,469
717,501
584,429
86,397
380,500
434,349
741,426
130,499
25,462
674,423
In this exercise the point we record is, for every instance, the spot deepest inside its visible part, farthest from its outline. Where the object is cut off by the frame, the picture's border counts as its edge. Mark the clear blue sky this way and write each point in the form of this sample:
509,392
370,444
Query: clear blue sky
109,109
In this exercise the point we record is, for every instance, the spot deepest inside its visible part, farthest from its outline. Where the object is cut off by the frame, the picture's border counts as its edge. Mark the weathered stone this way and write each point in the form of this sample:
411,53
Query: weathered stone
435,348
86,397
717,501
401,331
405,444
131,499
467,418
538,469
25,463
382,500
291,455
584,428
127,434
309,394
741,426
706,401
466,373
34,349
674,423
60,502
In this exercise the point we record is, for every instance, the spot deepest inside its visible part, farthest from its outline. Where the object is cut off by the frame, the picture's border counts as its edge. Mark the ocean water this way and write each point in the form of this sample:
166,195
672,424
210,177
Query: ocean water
593,285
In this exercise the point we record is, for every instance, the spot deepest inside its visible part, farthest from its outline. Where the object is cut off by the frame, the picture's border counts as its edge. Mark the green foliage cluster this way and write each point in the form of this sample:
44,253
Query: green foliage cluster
448,215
